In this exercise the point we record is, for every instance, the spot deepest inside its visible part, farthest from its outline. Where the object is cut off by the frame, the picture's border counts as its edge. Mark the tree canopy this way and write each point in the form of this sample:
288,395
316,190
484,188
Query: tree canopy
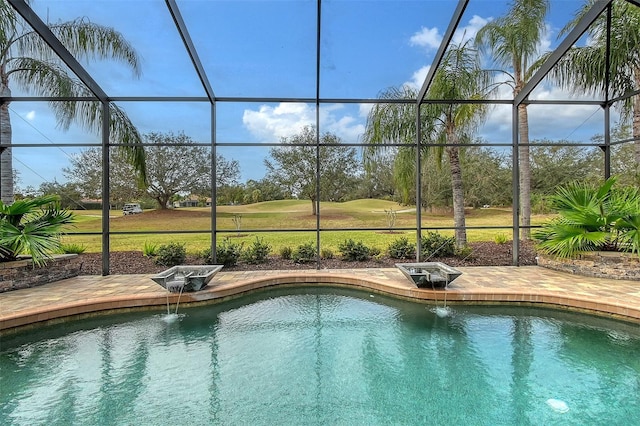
175,165
293,166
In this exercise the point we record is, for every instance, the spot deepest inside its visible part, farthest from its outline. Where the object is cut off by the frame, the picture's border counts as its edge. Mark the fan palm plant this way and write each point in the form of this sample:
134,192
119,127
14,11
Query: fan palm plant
592,218
32,227
27,61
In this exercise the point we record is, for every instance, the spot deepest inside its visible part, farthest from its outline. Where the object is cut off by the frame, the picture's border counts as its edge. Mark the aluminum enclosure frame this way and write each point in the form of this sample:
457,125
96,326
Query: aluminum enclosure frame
598,7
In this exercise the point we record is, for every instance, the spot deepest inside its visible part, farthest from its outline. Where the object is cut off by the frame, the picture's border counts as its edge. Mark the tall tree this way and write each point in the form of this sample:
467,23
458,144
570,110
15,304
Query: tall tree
293,166
513,41
28,62
447,125
459,76
584,69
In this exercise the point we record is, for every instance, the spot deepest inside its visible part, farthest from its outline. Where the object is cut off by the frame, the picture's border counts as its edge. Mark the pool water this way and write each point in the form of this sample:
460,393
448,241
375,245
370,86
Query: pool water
319,356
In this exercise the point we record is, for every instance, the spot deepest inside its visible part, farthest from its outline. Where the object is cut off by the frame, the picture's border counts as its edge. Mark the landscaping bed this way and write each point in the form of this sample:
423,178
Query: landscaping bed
483,254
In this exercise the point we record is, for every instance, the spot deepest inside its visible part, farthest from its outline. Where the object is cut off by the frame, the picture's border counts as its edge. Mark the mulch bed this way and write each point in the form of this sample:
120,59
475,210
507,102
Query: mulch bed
134,262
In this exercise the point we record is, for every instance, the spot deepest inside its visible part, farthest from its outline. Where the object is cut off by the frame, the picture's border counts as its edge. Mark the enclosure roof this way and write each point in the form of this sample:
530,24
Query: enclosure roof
309,50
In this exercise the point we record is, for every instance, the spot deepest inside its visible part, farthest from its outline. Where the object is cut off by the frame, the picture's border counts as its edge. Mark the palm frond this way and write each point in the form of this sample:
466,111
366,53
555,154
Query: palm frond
592,218
84,39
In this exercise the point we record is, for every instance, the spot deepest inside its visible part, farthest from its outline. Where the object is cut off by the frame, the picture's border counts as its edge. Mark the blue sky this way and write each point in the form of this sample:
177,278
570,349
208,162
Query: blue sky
268,49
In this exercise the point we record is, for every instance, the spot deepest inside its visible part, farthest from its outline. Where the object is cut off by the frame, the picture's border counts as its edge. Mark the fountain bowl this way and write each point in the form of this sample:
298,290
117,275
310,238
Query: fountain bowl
186,277
429,274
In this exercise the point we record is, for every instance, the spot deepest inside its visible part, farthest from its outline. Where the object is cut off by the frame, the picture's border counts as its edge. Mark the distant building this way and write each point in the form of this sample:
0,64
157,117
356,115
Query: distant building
192,201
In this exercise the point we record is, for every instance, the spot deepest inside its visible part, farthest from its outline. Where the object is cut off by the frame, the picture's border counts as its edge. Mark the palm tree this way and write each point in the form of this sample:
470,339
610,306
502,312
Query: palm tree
513,42
584,69
459,77
28,62
394,123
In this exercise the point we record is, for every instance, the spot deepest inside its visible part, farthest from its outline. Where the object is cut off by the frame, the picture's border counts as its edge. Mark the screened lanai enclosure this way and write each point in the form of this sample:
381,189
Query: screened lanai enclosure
423,115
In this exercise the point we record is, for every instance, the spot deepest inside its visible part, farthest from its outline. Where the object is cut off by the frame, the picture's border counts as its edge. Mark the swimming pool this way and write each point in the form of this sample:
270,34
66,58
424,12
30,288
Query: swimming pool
322,356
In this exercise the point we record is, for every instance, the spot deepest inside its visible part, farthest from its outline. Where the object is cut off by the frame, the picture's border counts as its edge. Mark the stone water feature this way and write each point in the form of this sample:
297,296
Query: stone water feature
181,278
429,274
186,277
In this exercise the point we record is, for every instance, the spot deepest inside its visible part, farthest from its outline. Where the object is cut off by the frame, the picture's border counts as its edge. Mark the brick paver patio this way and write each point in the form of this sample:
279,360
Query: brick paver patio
527,284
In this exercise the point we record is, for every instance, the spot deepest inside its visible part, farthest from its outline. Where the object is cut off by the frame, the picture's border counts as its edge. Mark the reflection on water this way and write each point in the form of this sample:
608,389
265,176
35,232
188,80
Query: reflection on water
323,356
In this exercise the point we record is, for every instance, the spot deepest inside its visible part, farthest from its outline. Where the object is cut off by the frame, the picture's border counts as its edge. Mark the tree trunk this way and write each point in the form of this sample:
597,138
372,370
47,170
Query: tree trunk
6,159
636,124
457,192
525,172
313,206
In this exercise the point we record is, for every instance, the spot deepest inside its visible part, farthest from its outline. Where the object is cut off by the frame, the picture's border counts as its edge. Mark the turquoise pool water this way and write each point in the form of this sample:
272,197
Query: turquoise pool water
324,356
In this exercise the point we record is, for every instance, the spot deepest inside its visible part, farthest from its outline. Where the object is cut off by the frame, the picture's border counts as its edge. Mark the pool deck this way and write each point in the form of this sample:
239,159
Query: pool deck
530,285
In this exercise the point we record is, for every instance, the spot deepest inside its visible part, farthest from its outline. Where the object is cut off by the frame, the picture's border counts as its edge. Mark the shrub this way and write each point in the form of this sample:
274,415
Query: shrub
32,227
305,253
465,252
326,253
286,252
206,255
150,249
171,254
354,251
592,218
501,239
228,253
72,248
401,248
434,244
257,252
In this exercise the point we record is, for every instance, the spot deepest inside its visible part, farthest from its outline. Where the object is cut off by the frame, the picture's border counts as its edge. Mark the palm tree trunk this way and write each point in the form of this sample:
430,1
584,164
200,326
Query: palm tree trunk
6,159
525,172
636,122
458,193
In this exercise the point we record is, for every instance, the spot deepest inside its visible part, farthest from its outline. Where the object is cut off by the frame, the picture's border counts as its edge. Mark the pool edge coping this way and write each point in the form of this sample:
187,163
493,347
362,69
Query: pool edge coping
377,280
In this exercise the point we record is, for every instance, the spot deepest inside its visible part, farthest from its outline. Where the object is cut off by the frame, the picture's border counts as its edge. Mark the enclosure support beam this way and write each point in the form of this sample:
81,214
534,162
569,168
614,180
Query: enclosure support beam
317,102
106,117
214,186
607,106
191,49
580,28
418,185
448,35
515,185
607,141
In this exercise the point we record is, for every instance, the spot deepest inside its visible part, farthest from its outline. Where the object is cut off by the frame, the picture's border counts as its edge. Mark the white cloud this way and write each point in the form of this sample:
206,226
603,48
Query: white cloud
31,115
470,30
418,77
431,37
551,121
364,110
426,37
270,124
554,122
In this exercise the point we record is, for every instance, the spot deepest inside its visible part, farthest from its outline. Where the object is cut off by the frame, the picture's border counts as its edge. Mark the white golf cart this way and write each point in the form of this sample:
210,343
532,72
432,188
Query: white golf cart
131,208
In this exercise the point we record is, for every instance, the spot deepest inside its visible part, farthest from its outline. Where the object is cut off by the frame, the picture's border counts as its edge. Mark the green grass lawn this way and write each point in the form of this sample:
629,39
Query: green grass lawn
273,215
